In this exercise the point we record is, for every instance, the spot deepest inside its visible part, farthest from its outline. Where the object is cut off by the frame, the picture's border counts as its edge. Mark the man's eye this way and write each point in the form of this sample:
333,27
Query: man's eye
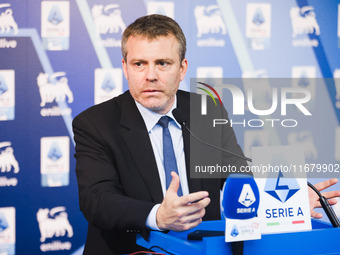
162,63
138,64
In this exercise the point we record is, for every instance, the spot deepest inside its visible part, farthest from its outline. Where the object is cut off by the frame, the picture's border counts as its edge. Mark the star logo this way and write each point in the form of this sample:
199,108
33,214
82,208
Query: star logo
247,197
3,222
234,232
55,152
281,188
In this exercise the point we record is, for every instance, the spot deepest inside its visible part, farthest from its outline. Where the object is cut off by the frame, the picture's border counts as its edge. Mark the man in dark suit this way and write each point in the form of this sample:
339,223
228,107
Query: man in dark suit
120,172
120,187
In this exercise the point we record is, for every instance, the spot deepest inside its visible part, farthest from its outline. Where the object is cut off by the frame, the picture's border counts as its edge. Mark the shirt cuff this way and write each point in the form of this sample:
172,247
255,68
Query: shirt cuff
151,221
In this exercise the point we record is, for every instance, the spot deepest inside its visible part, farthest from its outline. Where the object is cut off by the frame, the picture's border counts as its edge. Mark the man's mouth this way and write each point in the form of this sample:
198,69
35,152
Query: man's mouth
151,91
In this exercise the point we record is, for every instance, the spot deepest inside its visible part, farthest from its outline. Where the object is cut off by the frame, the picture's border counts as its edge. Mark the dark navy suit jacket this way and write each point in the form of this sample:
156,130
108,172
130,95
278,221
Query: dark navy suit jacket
117,173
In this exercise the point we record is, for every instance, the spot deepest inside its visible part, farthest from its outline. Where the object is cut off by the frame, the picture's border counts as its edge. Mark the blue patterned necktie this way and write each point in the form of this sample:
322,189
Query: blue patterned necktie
169,159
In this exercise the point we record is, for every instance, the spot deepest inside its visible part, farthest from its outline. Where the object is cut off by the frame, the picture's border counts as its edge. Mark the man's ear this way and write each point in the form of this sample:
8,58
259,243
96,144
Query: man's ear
125,69
183,68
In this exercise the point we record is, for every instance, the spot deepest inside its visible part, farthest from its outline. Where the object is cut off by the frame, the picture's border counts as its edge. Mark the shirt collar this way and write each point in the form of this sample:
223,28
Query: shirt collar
151,118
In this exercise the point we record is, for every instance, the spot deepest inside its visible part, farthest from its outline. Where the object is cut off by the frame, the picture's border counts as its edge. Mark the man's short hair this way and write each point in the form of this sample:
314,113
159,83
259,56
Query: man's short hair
153,26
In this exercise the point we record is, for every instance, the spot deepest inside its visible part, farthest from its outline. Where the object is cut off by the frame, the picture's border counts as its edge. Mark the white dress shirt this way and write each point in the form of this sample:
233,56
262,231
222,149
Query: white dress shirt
156,137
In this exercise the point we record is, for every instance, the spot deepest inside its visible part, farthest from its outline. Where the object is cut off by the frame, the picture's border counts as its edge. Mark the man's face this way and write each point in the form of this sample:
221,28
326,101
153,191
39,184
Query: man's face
154,71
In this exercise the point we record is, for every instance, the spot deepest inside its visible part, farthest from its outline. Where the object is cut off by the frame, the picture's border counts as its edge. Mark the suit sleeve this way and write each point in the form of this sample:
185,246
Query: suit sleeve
101,195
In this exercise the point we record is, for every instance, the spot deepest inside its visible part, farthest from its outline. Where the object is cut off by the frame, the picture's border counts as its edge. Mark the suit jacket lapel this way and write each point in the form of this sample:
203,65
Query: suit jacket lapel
183,103
137,139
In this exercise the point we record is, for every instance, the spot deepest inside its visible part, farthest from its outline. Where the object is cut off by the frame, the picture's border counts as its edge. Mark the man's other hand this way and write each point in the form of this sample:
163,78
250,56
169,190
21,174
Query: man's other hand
314,201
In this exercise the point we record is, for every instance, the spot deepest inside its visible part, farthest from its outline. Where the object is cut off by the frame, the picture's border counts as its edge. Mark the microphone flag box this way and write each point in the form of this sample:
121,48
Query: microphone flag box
242,230
284,205
240,204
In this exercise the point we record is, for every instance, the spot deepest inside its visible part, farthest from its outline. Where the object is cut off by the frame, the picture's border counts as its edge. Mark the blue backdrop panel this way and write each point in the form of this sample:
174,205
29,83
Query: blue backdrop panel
58,58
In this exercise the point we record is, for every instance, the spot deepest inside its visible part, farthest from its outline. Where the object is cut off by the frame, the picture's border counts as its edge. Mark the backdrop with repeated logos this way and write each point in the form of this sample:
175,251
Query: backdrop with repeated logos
58,58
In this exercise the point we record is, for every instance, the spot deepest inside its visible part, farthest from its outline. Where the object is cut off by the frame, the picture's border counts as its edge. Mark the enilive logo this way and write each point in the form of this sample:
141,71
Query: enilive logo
7,22
7,25
54,223
209,24
54,88
7,159
108,21
7,164
209,20
303,96
304,22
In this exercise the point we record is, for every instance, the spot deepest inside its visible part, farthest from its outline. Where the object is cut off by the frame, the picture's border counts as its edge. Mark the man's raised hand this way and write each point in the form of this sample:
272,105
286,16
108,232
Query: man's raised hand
181,213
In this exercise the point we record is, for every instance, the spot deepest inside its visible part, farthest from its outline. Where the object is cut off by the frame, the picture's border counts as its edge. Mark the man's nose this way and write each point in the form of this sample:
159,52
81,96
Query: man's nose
151,74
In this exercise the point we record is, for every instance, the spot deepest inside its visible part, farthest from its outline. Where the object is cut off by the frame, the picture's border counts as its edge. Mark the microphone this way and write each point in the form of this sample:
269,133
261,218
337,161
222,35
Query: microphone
181,120
240,202
241,197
